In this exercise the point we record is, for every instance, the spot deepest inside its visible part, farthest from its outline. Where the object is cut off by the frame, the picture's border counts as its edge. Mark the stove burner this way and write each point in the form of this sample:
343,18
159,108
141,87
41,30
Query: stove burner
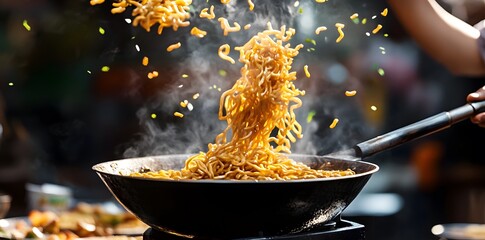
341,230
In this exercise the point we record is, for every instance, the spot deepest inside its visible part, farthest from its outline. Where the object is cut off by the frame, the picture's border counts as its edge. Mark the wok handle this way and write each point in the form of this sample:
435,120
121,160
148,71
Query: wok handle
419,129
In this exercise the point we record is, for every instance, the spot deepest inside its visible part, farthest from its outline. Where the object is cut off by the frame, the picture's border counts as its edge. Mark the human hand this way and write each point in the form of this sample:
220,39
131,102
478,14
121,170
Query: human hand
479,95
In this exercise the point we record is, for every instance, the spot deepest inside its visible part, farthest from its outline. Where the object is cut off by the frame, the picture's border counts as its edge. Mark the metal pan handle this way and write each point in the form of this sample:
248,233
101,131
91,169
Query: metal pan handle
419,129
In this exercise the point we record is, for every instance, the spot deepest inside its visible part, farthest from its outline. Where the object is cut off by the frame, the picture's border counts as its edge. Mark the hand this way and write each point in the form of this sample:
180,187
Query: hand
479,95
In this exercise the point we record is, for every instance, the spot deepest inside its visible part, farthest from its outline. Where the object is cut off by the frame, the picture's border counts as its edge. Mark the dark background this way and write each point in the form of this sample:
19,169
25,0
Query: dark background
63,114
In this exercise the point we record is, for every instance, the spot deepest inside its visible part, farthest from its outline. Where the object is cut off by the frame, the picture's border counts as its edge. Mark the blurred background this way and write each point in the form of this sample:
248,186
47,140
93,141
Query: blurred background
74,92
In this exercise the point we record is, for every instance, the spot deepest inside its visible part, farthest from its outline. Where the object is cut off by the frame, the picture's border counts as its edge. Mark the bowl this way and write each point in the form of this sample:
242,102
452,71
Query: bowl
5,201
49,197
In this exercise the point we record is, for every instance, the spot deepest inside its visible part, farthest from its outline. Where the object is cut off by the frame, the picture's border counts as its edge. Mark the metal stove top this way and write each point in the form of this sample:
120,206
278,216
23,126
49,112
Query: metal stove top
341,230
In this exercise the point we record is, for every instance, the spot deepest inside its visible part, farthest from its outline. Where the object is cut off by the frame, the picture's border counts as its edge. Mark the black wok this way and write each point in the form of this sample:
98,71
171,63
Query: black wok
229,209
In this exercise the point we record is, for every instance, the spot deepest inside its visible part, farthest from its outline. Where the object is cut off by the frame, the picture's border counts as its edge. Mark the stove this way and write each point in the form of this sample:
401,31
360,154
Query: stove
341,230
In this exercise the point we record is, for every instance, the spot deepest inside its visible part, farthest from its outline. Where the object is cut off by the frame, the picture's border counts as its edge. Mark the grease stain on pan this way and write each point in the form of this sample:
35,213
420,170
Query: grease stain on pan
323,216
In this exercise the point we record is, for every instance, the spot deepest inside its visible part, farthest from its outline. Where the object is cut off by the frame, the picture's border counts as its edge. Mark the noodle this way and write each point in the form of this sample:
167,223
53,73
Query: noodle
251,5
339,27
334,123
197,32
227,28
224,52
319,29
307,73
210,15
96,2
350,93
384,12
174,46
146,13
376,30
262,100
144,62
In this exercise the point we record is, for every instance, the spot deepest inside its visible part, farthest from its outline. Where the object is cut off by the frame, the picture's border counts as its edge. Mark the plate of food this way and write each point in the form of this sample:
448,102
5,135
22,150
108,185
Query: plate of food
84,221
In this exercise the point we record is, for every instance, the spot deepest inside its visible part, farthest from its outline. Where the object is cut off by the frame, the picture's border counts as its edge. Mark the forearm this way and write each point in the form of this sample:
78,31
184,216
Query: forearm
447,39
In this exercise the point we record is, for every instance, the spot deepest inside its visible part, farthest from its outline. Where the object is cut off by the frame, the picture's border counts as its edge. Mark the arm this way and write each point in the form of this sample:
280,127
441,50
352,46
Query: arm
449,40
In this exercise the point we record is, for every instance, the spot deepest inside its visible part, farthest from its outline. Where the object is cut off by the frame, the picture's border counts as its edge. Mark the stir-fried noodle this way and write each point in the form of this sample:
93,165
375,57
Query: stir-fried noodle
262,100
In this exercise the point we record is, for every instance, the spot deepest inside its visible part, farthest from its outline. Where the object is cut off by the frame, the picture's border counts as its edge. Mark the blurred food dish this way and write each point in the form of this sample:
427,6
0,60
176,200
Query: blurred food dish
82,221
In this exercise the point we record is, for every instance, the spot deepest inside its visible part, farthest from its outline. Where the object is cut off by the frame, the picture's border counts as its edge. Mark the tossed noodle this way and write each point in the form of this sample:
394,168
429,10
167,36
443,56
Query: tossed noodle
146,13
262,100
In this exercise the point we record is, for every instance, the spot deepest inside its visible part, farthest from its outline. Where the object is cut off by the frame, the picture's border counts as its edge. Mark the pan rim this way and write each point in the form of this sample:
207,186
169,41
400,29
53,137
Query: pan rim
97,169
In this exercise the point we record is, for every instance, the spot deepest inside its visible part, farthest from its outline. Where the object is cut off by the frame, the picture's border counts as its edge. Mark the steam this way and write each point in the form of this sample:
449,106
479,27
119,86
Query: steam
209,76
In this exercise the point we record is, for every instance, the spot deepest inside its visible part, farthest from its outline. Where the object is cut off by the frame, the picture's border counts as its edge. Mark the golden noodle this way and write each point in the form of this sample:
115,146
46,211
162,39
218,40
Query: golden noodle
261,101
224,53
376,30
334,123
227,28
210,15
197,32
320,29
173,46
350,93
146,13
251,5
307,73
339,27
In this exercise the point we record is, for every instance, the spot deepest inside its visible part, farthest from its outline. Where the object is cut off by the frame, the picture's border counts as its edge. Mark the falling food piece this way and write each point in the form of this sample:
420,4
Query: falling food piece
89,72
339,27
350,93
177,114
384,12
381,71
296,4
153,115
137,47
152,75
320,1
310,116
127,20
181,86
225,1
334,123
251,5
101,30
312,41
307,73
376,30
105,68
227,28
26,25
10,84
144,62
174,46
190,107
222,73
374,17
208,15
224,52
247,26
354,16
196,96
197,32
364,21
184,103
373,108
96,2
320,29
185,76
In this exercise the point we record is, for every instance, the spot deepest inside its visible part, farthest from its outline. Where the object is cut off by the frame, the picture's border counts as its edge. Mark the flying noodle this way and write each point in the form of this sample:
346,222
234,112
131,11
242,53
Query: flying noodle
224,53
146,13
261,121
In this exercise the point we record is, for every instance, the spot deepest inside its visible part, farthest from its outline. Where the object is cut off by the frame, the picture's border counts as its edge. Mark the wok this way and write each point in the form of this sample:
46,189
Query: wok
229,209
